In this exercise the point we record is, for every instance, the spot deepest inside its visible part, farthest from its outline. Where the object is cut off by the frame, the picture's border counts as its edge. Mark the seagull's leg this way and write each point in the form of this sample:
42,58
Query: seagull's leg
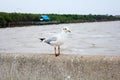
58,50
55,51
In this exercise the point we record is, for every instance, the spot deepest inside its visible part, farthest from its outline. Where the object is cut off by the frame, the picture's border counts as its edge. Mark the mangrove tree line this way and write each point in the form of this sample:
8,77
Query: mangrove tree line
7,18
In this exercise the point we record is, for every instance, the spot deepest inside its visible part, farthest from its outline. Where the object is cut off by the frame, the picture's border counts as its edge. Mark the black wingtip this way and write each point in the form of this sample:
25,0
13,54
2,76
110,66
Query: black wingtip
42,39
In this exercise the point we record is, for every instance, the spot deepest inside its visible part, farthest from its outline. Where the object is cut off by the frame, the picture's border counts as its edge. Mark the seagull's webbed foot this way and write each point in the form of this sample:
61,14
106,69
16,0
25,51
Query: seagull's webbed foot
57,55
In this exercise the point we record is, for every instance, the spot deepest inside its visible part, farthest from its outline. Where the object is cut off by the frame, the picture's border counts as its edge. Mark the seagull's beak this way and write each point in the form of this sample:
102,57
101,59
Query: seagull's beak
69,30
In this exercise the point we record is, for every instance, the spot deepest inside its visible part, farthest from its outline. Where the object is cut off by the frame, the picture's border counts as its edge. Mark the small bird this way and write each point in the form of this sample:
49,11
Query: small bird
57,40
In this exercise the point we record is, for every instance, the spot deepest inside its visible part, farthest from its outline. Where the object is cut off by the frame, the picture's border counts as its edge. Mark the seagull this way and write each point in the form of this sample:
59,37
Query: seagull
57,40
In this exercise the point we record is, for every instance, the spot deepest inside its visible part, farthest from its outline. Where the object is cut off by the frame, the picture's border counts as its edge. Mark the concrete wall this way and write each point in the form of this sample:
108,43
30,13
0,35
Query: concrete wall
64,67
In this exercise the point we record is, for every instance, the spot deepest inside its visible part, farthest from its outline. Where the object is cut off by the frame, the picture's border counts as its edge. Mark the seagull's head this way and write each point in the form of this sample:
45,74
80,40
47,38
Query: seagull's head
66,29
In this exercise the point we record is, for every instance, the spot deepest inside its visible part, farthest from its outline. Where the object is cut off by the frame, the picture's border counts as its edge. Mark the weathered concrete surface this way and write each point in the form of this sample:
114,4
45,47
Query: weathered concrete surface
64,67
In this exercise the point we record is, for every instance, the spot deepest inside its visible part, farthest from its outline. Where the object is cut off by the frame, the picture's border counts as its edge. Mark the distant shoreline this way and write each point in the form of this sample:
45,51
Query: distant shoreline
24,19
22,24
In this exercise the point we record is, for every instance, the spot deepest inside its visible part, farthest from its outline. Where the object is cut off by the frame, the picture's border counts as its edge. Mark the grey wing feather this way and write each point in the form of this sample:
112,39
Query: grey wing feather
51,39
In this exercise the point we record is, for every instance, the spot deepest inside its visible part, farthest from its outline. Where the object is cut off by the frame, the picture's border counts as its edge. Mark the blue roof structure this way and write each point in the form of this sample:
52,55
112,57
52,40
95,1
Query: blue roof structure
44,18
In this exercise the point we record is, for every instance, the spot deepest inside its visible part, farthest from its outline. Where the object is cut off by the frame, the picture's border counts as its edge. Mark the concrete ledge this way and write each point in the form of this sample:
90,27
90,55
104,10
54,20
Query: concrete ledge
64,67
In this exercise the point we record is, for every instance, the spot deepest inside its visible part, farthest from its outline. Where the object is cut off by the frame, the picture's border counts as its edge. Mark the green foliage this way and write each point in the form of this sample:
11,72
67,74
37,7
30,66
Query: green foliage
81,18
6,18
2,21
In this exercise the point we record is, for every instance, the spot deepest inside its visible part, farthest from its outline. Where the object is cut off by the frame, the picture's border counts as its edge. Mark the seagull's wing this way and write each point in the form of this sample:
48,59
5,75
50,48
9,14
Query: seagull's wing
51,39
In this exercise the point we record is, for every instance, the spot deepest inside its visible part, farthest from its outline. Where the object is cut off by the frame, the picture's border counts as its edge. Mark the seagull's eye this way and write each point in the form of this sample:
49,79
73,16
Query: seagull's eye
64,29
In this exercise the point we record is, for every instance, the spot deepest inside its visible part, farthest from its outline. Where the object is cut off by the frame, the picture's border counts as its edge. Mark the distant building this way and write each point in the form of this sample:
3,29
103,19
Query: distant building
44,18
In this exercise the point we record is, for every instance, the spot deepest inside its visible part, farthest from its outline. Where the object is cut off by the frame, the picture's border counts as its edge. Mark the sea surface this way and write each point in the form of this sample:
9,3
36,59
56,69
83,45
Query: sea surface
95,38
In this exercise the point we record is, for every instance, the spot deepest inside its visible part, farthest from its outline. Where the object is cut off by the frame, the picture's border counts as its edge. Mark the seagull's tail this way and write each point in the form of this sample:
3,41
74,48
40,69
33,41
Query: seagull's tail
42,39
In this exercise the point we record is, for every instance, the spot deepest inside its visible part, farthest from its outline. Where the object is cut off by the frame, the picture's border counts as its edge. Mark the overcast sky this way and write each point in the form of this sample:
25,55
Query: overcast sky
62,6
